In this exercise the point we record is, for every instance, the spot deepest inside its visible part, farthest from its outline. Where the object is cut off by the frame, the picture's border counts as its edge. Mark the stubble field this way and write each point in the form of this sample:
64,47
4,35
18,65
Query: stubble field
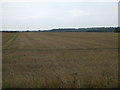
59,60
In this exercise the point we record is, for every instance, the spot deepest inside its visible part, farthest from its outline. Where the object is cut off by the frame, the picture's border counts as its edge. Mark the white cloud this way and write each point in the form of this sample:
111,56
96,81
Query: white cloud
59,0
78,12
38,17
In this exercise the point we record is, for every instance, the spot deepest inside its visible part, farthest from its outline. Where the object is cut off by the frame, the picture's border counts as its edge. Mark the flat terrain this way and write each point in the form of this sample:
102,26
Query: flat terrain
60,59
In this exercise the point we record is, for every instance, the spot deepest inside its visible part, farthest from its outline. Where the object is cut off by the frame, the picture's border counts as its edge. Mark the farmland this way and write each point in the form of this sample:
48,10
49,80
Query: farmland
60,59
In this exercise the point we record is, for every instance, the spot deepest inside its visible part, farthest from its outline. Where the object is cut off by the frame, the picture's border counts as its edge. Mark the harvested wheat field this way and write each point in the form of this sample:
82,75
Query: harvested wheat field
60,60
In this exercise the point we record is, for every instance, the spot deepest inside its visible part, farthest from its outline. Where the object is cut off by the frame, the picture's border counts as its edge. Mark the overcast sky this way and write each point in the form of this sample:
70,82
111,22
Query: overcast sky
47,15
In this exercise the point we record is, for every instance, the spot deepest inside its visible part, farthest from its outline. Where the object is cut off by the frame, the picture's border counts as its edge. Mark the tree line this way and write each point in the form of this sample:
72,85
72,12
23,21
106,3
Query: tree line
98,29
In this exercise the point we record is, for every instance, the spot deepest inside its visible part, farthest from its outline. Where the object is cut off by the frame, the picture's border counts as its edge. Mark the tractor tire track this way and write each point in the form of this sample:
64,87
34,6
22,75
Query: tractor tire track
11,41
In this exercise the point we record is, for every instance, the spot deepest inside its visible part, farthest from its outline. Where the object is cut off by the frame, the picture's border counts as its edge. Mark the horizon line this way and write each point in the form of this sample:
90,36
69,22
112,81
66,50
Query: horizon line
57,28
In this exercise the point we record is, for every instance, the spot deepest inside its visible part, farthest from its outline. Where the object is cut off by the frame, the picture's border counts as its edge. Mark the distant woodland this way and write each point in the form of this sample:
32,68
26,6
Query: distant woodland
98,29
